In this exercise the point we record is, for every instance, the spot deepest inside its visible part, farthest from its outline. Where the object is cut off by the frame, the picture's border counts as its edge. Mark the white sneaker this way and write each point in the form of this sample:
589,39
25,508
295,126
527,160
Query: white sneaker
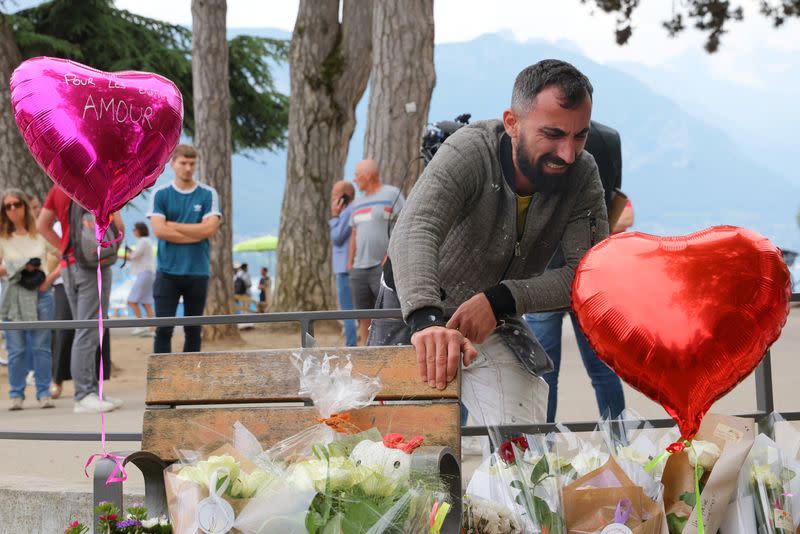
91,403
30,379
3,361
138,331
113,400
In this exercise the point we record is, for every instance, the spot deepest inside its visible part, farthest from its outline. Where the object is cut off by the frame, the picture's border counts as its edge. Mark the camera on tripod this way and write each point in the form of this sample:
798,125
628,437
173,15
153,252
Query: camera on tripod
437,132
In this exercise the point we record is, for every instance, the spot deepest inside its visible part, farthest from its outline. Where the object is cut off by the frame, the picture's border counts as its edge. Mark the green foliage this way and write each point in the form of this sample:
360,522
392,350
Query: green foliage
689,498
675,523
540,471
536,506
96,33
259,113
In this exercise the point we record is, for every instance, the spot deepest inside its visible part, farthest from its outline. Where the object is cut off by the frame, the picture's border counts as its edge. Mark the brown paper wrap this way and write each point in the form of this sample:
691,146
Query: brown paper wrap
734,436
183,496
589,509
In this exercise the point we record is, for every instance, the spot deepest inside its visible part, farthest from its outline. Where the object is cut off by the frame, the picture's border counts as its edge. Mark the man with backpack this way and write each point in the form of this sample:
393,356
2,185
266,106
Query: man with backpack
242,281
604,144
79,262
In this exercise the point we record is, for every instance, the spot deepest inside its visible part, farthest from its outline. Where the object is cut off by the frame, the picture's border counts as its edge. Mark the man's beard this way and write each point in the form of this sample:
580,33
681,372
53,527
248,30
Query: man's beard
534,171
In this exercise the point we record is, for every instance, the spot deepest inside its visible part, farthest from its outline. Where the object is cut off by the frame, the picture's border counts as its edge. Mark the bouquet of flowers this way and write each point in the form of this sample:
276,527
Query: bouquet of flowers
716,457
329,478
767,493
607,500
527,474
220,492
514,489
635,446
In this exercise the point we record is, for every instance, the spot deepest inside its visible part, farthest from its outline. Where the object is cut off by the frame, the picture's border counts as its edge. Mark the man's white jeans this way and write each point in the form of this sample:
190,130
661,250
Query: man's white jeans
496,389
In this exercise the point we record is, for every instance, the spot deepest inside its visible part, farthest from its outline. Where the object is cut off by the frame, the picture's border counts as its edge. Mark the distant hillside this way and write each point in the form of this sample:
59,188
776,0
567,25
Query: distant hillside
683,173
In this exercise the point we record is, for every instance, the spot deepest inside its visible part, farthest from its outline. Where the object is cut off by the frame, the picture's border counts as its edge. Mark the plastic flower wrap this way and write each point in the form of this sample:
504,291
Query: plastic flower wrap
711,463
636,446
218,492
335,390
524,477
330,477
767,491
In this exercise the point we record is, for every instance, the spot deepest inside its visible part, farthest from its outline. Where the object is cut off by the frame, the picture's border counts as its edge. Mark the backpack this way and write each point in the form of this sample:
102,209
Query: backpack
239,286
83,242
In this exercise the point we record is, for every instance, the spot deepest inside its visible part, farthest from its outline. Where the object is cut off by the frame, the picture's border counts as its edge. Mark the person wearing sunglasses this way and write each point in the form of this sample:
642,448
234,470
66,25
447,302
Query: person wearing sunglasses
27,297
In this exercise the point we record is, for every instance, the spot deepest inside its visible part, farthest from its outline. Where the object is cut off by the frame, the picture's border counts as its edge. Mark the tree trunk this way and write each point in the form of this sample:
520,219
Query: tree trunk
330,64
401,84
213,142
18,169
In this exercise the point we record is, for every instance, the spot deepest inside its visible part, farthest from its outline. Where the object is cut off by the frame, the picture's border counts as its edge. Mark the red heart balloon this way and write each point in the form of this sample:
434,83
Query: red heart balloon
683,319
102,137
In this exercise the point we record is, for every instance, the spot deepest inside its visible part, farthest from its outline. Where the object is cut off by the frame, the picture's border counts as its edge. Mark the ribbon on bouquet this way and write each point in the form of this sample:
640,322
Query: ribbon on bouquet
118,474
623,511
340,422
438,515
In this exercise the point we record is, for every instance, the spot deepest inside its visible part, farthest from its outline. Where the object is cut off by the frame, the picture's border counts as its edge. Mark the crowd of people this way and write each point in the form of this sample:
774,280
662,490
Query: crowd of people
490,236
49,270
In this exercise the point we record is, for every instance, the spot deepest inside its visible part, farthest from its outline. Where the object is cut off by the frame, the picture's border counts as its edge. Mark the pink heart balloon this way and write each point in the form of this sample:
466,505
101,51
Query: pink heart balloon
102,137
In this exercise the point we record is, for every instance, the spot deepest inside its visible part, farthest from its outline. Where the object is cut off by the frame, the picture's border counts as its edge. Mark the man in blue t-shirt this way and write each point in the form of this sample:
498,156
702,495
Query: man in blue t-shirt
184,215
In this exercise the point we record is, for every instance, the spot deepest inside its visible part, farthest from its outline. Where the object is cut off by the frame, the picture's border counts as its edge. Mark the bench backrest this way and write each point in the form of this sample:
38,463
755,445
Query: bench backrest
181,388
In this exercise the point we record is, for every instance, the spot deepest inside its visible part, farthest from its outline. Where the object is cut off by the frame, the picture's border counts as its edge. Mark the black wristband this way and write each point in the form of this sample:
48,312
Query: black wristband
502,301
425,317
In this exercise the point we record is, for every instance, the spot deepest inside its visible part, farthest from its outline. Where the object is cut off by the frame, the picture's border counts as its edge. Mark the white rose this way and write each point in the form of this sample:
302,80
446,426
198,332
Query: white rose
704,453
632,455
150,523
585,463
764,475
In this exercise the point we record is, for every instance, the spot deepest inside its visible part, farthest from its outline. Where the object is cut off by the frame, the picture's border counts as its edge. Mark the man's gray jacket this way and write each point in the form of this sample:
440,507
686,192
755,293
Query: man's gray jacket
457,234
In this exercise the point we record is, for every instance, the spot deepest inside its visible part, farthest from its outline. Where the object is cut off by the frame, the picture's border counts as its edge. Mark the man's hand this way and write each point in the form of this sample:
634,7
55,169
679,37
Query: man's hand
474,319
439,352
337,205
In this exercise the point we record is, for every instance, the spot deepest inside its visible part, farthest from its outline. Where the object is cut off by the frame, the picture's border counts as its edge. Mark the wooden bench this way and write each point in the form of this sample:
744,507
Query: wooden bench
181,388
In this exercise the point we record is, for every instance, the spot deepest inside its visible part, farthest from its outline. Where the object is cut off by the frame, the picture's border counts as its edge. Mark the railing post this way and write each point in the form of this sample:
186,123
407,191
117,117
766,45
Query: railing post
765,401
306,332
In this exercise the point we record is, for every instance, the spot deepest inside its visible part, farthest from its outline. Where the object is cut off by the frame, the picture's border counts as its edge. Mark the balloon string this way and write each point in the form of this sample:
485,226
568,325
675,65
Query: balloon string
100,335
700,527
657,460
118,468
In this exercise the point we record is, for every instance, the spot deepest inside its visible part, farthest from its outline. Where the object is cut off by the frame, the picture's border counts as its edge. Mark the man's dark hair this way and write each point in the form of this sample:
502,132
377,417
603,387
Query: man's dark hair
243,266
533,80
142,229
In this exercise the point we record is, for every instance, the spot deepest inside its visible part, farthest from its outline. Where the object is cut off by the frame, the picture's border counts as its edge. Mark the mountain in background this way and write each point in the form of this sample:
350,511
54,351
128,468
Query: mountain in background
684,165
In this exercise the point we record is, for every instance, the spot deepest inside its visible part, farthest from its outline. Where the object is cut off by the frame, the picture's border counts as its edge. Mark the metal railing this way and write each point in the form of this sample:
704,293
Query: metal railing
765,402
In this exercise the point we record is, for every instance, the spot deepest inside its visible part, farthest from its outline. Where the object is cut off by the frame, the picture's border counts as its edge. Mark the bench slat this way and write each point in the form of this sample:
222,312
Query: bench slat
166,430
269,376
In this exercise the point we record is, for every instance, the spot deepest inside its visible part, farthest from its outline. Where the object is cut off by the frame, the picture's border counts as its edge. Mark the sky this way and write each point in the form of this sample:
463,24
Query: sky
591,30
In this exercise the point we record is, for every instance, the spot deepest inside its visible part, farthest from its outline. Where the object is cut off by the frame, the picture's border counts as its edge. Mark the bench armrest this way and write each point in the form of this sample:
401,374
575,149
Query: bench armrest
442,463
152,468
